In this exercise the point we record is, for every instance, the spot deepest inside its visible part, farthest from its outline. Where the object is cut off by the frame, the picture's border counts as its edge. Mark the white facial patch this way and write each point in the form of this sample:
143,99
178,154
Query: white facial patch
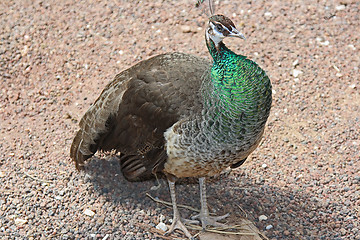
216,36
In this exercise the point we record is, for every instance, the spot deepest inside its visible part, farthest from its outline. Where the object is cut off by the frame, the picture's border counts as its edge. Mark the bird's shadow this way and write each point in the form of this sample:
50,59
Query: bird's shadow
231,193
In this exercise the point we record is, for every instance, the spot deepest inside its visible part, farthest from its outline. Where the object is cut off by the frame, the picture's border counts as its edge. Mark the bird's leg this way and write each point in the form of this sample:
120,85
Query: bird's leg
204,216
176,223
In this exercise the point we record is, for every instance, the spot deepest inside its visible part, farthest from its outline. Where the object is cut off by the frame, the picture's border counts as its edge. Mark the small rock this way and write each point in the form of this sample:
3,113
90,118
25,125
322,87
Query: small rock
340,7
268,16
353,86
185,28
268,227
2,174
352,47
322,42
295,63
25,51
325,43
89,213
20,222
296,72
263,218
339,74
264,166
162,226
58,197
298,177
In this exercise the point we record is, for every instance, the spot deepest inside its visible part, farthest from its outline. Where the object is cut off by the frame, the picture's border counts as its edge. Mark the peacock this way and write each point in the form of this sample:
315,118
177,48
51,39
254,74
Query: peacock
180,115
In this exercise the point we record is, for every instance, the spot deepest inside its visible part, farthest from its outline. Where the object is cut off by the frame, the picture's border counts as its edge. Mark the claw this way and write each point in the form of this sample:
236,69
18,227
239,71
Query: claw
207,220
177,224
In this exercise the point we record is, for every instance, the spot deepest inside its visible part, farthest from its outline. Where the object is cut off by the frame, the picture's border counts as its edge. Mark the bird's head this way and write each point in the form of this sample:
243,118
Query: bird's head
219,28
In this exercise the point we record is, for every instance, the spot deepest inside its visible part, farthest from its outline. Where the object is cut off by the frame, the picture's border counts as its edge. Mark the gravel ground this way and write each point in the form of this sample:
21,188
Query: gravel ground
56,56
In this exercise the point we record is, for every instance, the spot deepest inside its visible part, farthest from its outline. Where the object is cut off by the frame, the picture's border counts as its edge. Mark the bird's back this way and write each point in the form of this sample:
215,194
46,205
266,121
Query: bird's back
137,107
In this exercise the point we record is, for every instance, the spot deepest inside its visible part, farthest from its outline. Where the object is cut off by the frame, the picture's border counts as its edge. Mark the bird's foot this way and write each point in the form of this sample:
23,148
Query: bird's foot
207,220
178,224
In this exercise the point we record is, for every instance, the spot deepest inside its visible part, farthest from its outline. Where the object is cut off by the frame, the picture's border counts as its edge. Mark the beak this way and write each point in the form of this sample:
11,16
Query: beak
236,33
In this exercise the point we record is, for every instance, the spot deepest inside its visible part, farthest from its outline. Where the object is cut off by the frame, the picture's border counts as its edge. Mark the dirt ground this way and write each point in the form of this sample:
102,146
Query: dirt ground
56,57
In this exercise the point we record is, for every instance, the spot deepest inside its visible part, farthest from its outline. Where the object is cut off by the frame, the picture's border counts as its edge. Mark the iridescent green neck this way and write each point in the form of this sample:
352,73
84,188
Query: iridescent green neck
225,70
241,90
228,75
220,54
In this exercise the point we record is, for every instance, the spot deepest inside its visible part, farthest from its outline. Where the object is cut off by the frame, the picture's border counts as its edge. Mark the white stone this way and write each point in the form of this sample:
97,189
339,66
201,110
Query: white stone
162,226
20,222
339,74
296,72
268,227
185,28
268,15
325,43
58,197
296,62
353,86
340,7
89,212
264,166
263,218
352,47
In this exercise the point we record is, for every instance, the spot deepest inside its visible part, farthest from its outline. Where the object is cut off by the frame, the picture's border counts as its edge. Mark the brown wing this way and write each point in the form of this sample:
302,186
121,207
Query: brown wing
135,109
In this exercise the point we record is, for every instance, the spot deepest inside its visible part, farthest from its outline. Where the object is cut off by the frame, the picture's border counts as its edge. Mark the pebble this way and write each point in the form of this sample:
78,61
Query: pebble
296,72
89,212
162,226
185,28
268,227
351,46
295,63
340,7
20,222
263,218
268,16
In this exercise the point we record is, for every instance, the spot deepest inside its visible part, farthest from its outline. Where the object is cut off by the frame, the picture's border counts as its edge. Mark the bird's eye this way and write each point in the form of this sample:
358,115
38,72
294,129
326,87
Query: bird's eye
219,28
